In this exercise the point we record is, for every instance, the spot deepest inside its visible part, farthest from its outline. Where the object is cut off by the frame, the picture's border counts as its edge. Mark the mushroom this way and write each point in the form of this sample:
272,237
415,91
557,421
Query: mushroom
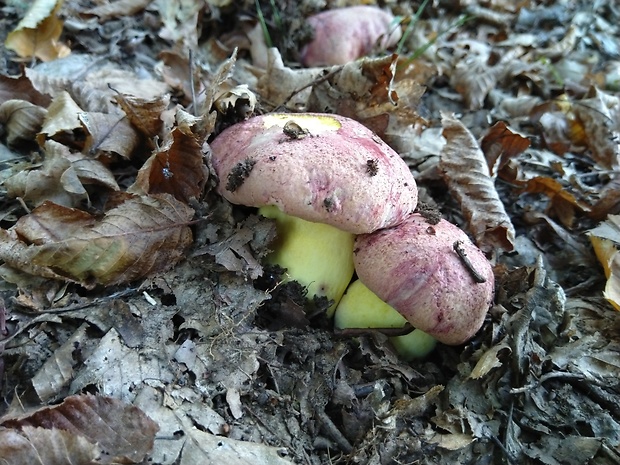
346,34
317,255
431,274
360,308
319,168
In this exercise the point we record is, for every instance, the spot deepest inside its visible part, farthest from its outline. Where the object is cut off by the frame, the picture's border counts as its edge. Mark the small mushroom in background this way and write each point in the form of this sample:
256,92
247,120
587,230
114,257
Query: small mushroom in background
319,168
345,34
360,308
431,274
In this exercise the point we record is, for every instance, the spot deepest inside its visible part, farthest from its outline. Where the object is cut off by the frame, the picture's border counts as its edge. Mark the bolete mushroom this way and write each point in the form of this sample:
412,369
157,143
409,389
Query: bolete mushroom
360,308
319,168
431,274
346,34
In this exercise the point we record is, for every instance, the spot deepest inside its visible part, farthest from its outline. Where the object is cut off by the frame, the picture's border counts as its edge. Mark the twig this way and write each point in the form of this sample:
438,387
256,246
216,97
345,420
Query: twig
460,251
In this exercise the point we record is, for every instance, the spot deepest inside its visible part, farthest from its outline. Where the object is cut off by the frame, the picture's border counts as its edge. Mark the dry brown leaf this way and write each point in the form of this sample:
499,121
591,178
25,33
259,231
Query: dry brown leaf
600,116
119,8
563,203
60,179
62,119
108,134
22,120
122,432
281,86
177,168
473,76
139,237
38,32
500,144
21,88
144,114
605,239
466,172
43,446
58,370
367,91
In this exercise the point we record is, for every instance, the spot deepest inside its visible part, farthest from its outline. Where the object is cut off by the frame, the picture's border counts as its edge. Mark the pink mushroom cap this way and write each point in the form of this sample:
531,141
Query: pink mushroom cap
318,167
345,34
432,274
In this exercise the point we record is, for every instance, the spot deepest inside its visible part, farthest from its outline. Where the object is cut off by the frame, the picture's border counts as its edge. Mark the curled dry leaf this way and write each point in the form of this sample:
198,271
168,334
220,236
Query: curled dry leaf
467,174
605,239
62,119
21,88
176,168
139,237
121,432
599,114
38,32
108,134
22,120
144,114
60,179
501,144
473,77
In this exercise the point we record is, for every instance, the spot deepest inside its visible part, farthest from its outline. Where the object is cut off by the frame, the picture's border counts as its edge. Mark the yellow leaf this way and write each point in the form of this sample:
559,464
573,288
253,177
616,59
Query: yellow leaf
605,239
38,32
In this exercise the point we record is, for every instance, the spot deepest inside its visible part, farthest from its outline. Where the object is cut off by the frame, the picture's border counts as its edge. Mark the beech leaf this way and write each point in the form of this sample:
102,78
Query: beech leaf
121,432
605,239
467,174
177,168
38,32
139,237
41,446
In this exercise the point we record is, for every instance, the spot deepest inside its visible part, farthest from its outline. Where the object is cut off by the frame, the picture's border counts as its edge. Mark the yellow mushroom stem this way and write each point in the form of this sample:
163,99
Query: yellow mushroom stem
361,308
316,255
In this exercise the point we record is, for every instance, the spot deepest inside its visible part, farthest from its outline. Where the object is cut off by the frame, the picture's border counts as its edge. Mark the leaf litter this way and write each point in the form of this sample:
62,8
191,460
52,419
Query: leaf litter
134,295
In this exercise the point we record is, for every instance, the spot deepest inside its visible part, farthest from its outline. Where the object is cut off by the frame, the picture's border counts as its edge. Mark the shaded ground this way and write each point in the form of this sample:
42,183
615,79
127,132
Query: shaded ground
216,350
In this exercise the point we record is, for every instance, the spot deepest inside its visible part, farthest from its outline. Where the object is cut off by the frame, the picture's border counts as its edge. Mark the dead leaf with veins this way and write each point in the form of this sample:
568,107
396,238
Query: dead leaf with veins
82,425
22,120
38,32
137,238
60,178
177,168
467,174
605,239
108,134
144,114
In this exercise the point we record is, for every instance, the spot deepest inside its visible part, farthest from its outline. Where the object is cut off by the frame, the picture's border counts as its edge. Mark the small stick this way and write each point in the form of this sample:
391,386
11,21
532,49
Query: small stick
460,251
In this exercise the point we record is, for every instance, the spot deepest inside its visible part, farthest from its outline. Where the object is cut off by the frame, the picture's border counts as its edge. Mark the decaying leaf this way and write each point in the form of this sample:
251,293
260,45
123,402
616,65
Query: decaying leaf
144,114
22,120
605,239
467,174
46,446
141,236
57,372
108,134
60,178
38,32
500,144
176,168
21,88
119,8
563,203
62,119
599,113
121,432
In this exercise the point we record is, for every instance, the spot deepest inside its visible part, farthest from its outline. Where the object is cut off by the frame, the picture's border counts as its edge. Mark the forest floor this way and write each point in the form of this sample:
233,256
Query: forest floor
174,345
